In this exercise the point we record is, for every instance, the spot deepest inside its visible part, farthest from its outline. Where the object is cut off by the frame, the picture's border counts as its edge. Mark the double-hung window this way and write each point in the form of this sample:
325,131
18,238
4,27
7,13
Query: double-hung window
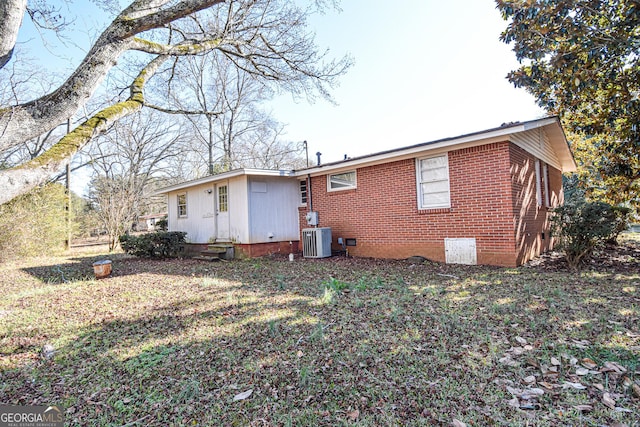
542,184
433,182
182,205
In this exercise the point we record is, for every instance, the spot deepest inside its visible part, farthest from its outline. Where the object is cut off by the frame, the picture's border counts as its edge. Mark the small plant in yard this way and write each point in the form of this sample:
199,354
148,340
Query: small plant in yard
189,392
580,227
305,376
165,244
328,294
335,284
274,328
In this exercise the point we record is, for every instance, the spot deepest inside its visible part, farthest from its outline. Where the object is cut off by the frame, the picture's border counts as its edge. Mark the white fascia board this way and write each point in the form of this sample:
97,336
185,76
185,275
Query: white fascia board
430,148
444,145
224,176
269,172
534,124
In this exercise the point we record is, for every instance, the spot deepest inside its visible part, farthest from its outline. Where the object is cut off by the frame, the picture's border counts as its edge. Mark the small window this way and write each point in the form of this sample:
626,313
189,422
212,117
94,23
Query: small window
303,192
223,199
342,181
538,183
433,183
545,179
543,195
182,205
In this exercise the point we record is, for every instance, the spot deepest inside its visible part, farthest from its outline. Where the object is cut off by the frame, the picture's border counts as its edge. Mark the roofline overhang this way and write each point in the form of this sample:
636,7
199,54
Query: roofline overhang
550,124
502,133
224,176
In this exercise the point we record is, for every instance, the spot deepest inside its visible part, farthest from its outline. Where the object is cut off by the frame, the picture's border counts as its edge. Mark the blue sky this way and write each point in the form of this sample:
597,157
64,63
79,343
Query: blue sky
424,70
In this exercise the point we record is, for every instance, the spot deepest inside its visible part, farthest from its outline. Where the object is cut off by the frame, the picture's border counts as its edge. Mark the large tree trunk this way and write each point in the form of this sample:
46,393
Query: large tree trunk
11,13
21,179
23,122
261,37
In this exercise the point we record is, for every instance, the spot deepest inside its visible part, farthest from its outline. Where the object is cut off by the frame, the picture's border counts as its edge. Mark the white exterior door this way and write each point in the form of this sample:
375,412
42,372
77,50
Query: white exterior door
222,211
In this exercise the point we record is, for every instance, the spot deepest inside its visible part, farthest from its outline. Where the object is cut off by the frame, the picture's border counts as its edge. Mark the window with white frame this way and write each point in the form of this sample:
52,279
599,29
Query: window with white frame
341,181
223,198
542,184
182,205
538,185
303,192
433,182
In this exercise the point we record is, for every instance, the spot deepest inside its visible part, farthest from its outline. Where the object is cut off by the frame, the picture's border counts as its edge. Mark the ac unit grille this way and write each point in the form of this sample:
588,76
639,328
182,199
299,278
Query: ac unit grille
316,242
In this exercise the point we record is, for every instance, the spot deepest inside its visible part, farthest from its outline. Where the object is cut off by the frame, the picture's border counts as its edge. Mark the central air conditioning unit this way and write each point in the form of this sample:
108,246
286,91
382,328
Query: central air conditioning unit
316,242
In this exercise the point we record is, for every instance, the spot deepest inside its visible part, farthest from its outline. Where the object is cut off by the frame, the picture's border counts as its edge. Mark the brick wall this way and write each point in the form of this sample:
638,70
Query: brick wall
531,221
262,249
493,199
382,212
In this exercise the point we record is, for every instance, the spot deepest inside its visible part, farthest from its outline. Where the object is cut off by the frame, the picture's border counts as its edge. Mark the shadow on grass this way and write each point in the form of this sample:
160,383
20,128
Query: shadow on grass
180,369
402,344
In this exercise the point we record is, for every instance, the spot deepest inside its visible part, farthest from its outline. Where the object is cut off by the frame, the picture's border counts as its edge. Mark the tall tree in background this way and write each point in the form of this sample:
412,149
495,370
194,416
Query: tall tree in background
581,60
224,104
265,38
127,161
268,150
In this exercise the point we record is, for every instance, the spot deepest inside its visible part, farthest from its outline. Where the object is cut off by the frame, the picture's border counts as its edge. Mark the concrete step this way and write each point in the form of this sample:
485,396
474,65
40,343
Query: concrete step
223,250
214,250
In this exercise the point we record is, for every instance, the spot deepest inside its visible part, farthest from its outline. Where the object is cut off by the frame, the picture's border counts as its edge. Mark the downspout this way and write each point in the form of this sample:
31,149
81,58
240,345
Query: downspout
309,192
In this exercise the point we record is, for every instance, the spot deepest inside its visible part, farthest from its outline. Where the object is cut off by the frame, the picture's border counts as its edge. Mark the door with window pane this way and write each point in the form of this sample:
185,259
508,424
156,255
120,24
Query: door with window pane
222,211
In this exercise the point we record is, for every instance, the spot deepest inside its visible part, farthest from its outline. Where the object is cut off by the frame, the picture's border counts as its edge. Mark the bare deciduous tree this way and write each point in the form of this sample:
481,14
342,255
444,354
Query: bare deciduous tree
127,160
266,38
223,104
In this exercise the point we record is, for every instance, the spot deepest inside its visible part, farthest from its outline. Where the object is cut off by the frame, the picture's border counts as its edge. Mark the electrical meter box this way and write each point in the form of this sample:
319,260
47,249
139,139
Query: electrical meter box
312,218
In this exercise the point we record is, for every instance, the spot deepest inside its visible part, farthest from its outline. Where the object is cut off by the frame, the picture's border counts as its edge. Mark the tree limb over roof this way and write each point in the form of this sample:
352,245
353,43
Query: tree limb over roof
265,38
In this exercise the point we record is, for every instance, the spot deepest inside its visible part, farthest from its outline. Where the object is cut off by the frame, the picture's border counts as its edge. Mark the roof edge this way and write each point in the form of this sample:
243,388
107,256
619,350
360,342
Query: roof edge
488,134
225,175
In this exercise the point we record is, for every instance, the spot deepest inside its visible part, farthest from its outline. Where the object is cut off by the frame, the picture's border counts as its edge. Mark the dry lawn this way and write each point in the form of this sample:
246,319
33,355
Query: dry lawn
353,342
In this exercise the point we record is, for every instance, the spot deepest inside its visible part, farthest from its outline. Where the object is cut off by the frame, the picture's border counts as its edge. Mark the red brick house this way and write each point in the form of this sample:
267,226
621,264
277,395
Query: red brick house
481,198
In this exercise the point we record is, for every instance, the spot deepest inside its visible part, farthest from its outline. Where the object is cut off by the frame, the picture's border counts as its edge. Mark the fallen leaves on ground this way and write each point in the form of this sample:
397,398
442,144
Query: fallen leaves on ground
321,342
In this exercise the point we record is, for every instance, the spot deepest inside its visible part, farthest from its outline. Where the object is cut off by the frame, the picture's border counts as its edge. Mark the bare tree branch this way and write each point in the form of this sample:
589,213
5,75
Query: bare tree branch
265,38
22,178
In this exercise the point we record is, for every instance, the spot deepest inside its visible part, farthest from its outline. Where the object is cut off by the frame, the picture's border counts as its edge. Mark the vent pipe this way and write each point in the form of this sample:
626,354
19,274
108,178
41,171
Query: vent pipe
318,154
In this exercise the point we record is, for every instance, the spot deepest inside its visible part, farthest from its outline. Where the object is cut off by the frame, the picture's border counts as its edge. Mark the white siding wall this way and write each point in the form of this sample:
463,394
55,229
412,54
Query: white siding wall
273,209
238,215
200,221
536,142
259,207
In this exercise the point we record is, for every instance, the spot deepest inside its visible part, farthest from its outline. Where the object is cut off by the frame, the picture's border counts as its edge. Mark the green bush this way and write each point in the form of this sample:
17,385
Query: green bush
33,224
580,226
622,215
164,244
162,224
